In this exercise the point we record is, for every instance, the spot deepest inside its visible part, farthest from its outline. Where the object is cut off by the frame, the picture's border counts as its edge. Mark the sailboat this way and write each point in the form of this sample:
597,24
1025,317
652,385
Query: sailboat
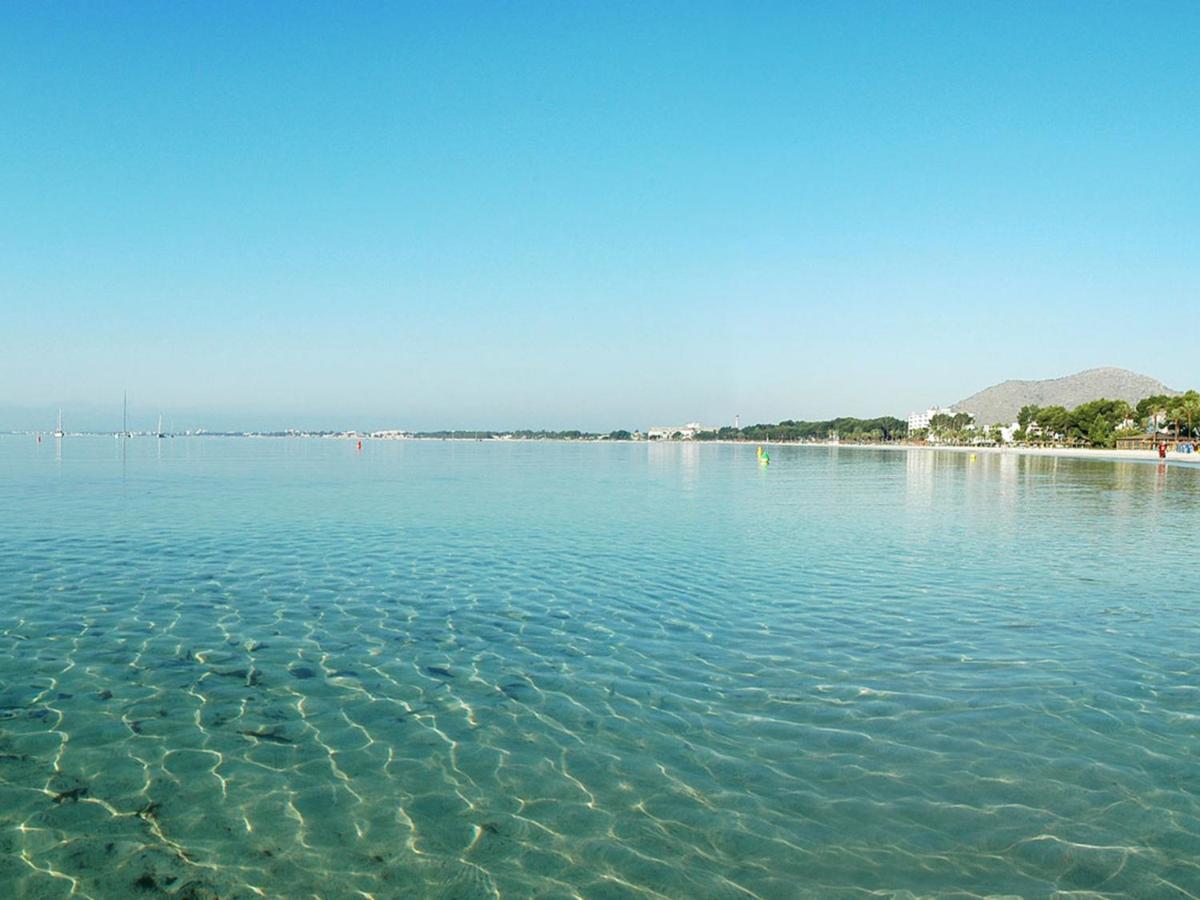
125,414
58,432
160,433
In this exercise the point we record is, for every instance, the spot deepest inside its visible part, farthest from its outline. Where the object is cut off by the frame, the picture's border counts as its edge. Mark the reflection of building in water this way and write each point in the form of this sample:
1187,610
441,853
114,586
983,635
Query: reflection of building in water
660,455
919,462
689,462
1010,468
1006,468
672,456
918,483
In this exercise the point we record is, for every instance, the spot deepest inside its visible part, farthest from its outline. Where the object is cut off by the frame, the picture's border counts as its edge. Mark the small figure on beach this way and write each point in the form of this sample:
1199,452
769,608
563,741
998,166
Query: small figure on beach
1162,449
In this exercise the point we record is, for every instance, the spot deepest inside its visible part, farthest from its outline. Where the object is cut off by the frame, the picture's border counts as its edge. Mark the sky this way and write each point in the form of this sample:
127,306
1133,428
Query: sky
600,216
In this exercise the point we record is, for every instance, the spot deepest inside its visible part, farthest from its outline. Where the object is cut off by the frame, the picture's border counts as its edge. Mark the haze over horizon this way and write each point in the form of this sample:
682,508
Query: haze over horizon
110,418
261,216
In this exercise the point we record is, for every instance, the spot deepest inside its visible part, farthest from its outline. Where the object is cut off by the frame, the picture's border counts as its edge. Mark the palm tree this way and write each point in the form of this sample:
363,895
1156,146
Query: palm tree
1174,413
1187,406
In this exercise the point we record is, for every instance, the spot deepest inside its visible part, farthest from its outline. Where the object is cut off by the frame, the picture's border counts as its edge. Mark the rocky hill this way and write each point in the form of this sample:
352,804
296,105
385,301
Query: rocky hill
1001,403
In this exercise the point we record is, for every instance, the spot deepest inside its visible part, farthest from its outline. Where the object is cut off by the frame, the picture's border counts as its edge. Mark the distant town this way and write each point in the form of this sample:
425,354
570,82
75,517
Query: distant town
1045,413
1098,423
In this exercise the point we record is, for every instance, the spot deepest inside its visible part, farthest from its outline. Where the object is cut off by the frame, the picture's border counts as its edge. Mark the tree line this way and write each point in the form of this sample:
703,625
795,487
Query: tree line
527,435
884,428
1099,423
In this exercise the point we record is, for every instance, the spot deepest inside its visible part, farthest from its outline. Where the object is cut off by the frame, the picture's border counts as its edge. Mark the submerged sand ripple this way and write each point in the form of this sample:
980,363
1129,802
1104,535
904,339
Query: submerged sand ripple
383,710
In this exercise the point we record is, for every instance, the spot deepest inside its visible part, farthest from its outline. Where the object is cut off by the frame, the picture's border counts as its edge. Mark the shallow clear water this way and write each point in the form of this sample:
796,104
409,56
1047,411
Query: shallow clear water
284,667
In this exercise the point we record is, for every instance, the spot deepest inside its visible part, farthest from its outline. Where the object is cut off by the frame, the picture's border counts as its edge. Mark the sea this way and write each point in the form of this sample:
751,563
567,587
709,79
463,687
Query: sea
238,667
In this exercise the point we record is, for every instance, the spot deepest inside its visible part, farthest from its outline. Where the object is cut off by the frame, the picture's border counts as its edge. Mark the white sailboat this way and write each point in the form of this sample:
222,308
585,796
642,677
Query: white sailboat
58,432
160,432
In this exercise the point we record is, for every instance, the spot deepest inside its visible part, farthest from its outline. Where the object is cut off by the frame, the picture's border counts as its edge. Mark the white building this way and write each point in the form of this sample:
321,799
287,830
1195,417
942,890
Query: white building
922,419
686,432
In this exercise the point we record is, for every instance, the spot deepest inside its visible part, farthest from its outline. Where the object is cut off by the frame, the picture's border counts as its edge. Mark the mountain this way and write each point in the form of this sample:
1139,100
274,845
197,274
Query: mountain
1001,403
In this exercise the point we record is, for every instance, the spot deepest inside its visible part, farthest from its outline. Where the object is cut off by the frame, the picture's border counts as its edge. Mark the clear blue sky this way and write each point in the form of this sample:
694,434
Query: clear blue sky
600,215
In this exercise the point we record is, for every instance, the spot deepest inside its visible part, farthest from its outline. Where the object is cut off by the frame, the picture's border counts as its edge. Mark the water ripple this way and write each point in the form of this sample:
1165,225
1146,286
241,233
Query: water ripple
482,671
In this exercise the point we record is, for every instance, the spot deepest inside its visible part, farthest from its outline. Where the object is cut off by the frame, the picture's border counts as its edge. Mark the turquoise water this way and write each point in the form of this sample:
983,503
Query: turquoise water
285,668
